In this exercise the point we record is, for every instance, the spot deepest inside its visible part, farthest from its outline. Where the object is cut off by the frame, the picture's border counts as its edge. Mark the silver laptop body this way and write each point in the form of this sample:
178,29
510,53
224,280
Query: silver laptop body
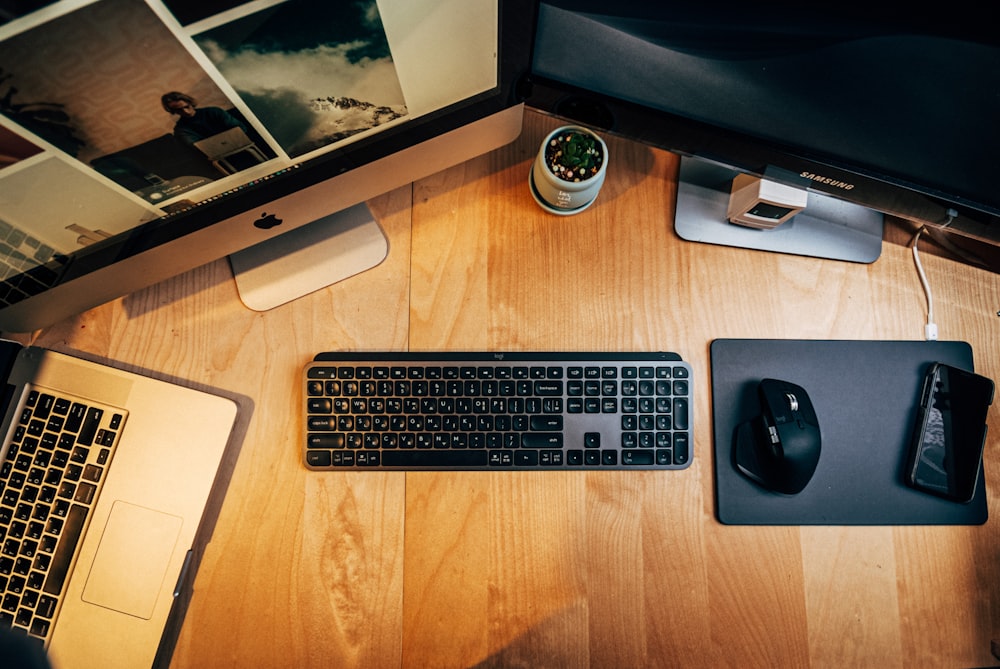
146,466
224,143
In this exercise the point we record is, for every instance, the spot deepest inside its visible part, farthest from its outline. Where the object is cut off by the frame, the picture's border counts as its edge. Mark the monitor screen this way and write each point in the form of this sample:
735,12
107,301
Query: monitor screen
153,134
896,112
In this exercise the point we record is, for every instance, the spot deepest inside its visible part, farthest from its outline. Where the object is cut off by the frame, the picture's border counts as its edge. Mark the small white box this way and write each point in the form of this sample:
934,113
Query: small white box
763,204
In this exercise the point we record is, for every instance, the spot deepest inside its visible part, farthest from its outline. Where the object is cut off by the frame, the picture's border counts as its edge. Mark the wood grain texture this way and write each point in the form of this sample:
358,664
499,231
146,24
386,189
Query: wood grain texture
555,569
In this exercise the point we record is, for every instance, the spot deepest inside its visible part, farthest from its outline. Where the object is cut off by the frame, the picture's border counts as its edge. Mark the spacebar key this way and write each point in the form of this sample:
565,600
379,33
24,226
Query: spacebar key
443,459
70,537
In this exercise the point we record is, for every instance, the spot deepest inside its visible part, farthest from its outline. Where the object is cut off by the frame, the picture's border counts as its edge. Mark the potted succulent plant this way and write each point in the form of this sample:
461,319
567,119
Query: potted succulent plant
569,170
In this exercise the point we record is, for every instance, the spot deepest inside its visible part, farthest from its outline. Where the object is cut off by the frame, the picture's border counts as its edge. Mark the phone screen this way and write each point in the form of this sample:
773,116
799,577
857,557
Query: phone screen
947,446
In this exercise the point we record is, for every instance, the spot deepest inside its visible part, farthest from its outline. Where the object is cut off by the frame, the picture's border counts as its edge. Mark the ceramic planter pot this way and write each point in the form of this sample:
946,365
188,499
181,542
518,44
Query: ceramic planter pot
569,170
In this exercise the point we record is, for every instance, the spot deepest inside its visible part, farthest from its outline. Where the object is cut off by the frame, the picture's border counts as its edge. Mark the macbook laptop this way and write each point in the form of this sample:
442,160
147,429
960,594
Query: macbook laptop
224,143
104,478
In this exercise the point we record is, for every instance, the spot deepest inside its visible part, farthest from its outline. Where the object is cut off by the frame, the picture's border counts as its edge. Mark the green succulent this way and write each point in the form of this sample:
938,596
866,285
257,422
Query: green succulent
574,156
578,151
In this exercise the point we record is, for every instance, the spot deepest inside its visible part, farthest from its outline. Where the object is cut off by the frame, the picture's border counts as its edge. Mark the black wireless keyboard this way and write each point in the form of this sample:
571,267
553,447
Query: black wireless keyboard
494,411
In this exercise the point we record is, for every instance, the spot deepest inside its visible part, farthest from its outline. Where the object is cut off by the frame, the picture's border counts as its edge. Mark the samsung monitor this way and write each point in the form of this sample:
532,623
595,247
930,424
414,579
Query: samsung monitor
143,138
871,112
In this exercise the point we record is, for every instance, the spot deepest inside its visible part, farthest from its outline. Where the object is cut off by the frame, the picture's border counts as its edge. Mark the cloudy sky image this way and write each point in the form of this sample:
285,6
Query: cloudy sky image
282,59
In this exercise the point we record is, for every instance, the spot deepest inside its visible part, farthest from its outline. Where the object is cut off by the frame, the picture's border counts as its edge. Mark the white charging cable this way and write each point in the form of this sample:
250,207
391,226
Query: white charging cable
930,329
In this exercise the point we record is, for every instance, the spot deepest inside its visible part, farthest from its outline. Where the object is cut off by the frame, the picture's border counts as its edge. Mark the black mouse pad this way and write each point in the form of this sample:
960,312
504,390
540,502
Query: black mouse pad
865,394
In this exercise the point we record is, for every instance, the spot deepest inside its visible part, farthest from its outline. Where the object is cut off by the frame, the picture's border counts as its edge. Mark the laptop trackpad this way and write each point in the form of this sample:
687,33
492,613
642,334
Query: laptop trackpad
132,559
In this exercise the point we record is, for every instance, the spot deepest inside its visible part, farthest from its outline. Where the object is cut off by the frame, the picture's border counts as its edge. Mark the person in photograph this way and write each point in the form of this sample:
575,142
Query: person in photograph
195,123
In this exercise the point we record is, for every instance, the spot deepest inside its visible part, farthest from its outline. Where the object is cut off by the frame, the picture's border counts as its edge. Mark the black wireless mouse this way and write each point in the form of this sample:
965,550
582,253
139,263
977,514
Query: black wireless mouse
779,449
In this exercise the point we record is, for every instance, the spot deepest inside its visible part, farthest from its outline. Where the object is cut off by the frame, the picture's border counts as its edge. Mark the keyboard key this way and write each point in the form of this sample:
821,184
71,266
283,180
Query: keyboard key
526,458
637,457
541,440
65,549
434,458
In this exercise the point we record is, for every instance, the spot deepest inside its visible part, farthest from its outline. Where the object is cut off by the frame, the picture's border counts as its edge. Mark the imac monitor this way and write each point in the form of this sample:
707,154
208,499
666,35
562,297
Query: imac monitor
868,111
142,138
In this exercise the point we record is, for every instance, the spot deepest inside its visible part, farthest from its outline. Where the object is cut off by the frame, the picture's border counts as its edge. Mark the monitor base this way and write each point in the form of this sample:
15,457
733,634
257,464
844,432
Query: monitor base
309,258
827,228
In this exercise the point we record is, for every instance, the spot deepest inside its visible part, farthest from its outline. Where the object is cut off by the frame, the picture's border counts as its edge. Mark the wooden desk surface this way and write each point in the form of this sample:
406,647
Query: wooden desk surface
554,569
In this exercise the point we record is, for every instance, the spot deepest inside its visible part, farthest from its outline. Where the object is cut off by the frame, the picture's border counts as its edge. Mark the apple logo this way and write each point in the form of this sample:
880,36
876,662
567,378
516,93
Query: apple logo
267,221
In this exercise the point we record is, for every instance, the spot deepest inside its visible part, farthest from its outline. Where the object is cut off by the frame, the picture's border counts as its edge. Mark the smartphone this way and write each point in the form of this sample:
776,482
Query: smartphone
946,449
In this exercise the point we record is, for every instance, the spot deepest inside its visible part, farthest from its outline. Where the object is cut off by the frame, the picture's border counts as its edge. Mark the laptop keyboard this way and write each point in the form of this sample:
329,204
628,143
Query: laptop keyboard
27,265
58,458
512,411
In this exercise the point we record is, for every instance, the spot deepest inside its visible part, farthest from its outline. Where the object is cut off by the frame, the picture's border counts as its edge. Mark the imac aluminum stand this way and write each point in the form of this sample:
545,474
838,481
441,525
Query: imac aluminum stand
826,228
308,258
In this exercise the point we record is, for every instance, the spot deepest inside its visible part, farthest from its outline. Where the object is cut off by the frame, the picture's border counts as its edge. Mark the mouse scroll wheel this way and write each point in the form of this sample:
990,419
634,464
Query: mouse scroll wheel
793,401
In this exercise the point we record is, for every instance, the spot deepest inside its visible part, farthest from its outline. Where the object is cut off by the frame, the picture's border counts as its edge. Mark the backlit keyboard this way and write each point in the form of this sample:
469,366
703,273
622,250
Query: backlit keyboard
496,411
59,453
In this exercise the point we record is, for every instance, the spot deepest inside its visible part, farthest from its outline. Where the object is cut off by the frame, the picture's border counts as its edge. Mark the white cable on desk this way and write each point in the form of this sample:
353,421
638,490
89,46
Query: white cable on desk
930,330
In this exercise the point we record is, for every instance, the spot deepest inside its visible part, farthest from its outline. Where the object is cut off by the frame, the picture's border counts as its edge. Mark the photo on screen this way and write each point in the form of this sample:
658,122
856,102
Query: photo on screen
106,67
315,72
